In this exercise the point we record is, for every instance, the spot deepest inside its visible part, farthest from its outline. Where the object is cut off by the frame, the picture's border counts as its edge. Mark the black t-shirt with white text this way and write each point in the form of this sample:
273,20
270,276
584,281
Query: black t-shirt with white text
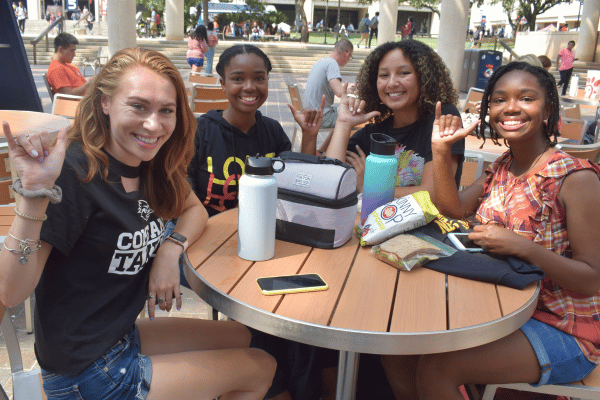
414,145
94,283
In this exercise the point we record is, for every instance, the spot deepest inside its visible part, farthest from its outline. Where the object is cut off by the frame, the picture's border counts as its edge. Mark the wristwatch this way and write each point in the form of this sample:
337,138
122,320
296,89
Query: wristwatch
179,239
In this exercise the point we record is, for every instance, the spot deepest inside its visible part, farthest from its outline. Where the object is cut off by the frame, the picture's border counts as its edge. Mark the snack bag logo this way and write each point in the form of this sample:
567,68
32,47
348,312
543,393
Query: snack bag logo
389,212
398,212
366,230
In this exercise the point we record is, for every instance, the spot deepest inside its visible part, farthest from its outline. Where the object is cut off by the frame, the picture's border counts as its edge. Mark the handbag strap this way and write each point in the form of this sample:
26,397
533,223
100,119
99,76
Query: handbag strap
310,159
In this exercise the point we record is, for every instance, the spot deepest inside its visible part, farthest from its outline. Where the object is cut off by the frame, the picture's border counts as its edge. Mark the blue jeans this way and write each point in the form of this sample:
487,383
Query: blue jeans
565,77
121,373
560,358
209,55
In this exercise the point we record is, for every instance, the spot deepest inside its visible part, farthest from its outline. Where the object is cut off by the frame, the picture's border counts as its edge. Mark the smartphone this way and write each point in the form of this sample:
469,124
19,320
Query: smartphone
462,242
291,284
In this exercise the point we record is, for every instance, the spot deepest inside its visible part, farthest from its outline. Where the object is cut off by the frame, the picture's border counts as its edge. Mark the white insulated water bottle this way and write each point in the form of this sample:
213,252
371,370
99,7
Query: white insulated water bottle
257,201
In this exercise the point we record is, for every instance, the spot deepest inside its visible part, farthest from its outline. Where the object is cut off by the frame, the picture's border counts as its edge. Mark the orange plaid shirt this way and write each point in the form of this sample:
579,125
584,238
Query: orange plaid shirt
529,206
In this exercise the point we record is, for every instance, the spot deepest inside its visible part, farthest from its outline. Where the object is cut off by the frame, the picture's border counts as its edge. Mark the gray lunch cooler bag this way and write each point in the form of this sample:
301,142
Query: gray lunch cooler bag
316,200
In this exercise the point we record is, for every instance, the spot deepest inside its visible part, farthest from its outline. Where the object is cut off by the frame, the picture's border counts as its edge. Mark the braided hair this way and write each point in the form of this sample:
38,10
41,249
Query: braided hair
433,76
230,52
546,81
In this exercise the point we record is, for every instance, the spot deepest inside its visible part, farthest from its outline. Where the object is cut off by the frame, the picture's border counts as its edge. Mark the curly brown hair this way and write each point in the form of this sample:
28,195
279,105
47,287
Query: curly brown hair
164,178
433,76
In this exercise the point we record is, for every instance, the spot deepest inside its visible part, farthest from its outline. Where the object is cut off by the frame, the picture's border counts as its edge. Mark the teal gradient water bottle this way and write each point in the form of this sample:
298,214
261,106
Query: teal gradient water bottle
380,174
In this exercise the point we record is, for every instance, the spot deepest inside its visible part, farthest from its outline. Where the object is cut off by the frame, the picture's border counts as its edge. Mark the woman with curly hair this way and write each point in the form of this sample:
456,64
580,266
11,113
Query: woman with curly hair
98,253
398,87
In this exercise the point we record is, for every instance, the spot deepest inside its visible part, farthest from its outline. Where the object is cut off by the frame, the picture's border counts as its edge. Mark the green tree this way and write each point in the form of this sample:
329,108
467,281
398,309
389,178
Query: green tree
528,9
189,20
255,11
431,5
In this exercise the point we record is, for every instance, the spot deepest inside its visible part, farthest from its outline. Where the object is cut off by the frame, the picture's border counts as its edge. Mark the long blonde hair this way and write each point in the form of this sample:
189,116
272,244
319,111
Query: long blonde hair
164,178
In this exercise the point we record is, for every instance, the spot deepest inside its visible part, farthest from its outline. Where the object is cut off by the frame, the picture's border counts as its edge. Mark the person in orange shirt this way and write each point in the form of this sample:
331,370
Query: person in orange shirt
63,76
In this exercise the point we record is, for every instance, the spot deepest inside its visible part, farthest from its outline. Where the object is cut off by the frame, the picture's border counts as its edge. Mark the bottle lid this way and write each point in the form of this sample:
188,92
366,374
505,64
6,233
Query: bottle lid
383,145
262,165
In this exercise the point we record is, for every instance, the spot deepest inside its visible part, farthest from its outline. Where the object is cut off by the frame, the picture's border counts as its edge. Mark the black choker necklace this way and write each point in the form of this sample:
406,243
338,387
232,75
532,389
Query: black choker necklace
124,170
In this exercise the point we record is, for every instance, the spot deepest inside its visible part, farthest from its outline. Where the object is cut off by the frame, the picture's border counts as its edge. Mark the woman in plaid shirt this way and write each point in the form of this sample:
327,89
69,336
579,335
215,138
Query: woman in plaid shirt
523,203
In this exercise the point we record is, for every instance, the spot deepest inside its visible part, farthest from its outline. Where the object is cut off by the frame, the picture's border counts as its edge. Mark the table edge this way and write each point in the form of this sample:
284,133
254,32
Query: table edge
358,340
575,100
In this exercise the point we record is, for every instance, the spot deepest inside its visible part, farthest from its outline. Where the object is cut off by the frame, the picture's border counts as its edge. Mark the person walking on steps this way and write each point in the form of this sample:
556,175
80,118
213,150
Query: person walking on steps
564,63
363,28
373,26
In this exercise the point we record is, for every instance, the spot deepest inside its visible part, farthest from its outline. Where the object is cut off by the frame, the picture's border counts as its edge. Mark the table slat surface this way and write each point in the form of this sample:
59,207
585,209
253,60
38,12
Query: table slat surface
511,300
471,302
423,310
224,268
366,302
290,258
415,312
333,265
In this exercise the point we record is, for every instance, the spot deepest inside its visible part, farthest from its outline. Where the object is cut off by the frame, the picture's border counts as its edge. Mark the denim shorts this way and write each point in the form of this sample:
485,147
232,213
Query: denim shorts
121,373
198,62
560,357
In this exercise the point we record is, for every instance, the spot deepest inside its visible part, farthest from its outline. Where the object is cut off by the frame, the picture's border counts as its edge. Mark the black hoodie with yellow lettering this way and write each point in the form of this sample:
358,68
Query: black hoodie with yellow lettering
221,150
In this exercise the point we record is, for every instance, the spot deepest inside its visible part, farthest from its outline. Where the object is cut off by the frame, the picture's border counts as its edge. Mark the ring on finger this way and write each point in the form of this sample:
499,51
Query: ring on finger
159,300
150,296
27,136
352,95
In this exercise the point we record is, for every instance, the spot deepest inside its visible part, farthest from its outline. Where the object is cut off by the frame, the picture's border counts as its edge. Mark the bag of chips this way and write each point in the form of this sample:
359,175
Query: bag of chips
397,216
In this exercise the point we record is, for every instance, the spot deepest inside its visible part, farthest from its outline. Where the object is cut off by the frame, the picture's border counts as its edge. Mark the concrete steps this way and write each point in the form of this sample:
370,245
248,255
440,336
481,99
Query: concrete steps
285,57
579,68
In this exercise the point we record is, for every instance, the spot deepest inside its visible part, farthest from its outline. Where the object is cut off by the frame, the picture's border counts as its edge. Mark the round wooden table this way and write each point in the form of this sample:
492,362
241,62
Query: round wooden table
370,307
31,121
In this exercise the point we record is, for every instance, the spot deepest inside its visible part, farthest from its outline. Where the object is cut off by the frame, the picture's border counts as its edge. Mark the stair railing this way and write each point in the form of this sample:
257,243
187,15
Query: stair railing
61,27
82,18
509,49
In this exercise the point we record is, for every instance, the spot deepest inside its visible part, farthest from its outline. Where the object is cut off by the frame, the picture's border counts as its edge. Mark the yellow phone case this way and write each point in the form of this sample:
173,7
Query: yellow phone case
288,291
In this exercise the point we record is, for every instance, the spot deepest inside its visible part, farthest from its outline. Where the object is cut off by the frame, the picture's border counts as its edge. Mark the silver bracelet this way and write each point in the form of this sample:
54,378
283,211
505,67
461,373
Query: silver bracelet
54,194
25,249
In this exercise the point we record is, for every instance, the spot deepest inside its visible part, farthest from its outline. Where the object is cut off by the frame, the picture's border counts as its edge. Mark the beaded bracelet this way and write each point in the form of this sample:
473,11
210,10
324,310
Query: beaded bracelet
54,194
40,219
25,249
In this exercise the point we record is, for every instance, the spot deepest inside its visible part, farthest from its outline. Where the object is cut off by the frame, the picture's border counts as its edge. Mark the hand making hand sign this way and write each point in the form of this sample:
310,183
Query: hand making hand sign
448,129
37,162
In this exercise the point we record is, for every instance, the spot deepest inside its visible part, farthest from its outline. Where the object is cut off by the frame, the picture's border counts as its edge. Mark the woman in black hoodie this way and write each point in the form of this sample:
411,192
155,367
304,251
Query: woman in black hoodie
224,139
